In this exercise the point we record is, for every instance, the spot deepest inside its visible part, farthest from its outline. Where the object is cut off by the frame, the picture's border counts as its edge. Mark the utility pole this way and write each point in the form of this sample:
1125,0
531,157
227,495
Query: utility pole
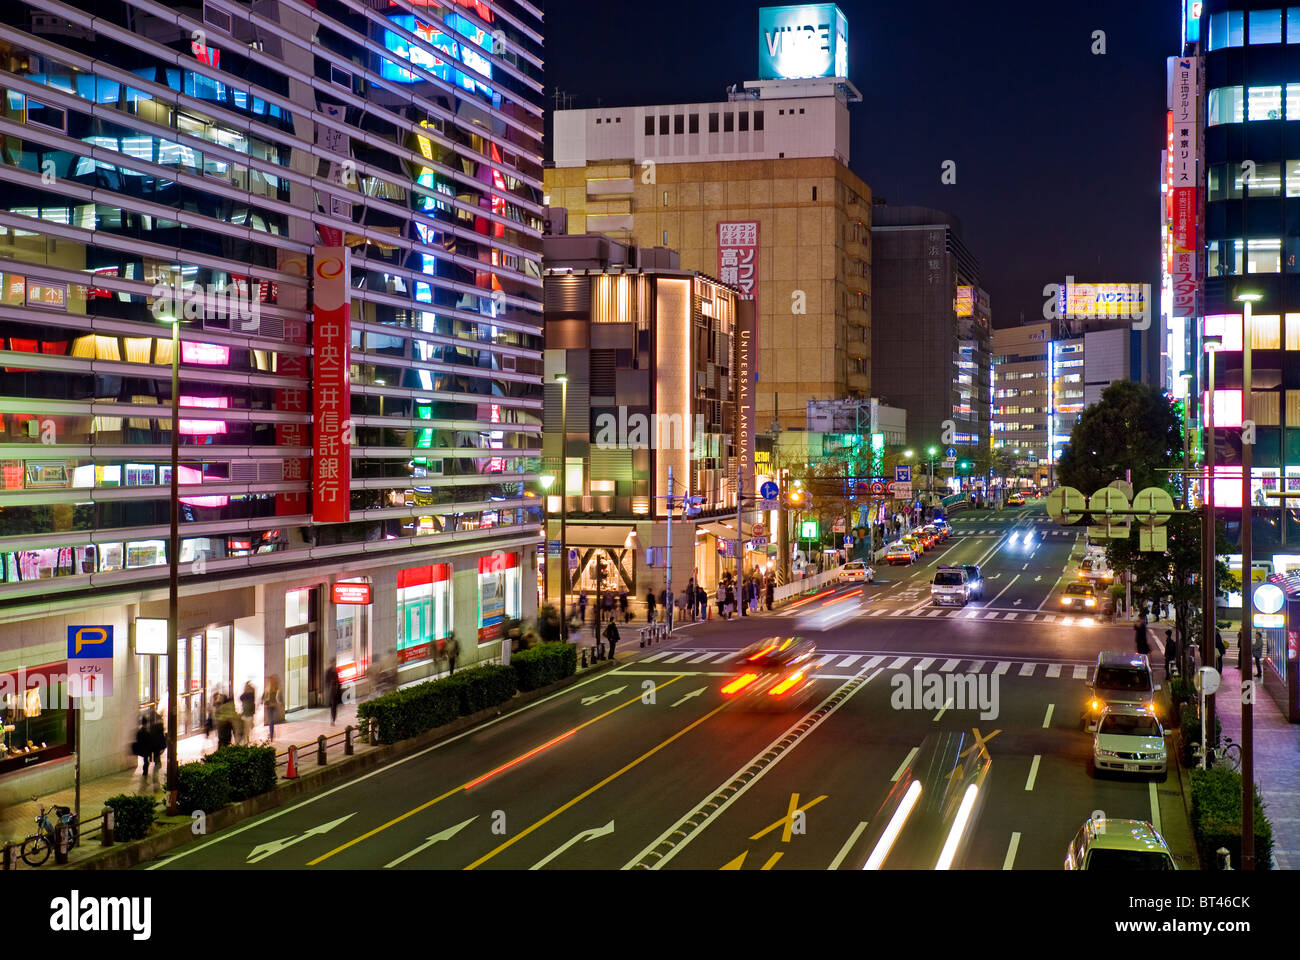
740,537
1247,632
668,565
1209,614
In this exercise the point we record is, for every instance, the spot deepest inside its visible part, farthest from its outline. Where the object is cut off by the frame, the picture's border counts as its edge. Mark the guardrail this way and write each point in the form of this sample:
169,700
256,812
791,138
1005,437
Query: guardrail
811,584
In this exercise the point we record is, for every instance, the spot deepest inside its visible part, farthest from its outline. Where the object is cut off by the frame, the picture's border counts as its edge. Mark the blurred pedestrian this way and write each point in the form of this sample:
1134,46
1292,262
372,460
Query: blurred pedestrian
247,710
1219,649
452,652
333,690
226,718
1140,633
1171,652
721,598
611,634
649,606
582,606
1257,650
272,704
770,590
690,598
622,606
142,746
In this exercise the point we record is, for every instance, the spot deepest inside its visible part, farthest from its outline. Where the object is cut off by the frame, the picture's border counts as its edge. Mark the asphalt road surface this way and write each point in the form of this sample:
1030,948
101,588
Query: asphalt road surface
651,766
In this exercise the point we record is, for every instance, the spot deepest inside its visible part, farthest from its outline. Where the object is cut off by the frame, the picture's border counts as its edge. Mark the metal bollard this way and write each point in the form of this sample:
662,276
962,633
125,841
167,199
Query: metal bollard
347,740
374,731
584,658
1225,858
320,750
61,839
106,834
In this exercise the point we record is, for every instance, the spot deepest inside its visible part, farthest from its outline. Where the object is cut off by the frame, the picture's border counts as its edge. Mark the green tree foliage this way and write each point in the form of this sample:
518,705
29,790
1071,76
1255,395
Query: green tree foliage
1134,427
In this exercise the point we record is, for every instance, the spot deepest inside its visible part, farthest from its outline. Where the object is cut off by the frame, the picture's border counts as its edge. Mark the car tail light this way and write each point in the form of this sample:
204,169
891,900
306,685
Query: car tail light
740,683
764,652
786,684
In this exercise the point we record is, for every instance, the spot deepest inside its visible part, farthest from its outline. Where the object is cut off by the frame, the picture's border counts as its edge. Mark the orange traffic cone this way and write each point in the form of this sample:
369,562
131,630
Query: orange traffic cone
291,771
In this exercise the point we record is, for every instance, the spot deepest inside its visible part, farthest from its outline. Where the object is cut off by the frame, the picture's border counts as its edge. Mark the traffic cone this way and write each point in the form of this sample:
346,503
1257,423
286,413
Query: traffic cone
291,770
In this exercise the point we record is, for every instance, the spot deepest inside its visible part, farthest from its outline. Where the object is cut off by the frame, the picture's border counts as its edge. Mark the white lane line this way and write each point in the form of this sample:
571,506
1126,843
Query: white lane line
949,665
924,664
1026,566
1080,672
706,656
681,656
850,661
1155,805
899,663
1053,669
848,845
1047,720
873,663
1033,772
946,705
1004,589
903,766
1027,669
1002,667
1011,851
655,656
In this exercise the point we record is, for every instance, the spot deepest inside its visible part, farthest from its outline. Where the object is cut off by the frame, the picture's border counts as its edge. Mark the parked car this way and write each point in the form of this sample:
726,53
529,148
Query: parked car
1113,844
1129,740
857,570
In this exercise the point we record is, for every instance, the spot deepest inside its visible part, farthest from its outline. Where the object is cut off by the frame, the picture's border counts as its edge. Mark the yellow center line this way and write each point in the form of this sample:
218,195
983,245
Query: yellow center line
590,790
771,861
788,820
464,786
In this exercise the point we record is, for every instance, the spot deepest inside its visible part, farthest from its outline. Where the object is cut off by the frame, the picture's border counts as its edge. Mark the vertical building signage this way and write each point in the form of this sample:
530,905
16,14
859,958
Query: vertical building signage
738,266
332,389
1183,172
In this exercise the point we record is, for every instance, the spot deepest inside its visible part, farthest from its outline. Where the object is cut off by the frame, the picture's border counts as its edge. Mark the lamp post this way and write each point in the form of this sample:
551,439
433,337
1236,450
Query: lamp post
545,481
563,380
1247,632
1211,343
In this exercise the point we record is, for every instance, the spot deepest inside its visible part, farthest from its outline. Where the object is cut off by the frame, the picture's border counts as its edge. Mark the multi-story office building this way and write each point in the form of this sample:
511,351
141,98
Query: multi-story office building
930,335
757,191
651,353
340,202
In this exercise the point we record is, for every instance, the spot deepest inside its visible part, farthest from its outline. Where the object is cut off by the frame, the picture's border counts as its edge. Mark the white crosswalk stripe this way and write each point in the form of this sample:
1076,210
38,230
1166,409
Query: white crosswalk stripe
949,665
681,656
1002,667
824,661
1027,669
1054,669
991,616
899,663
924,664
1080,671
702,658
873,663
655,656
1011,616
850,661
976,666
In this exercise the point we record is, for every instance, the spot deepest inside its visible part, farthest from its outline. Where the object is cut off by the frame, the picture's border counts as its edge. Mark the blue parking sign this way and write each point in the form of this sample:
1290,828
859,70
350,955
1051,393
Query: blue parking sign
90,642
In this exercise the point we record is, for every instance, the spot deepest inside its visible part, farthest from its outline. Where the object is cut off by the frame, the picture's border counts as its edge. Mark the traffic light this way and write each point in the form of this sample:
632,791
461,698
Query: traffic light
693,505
964,465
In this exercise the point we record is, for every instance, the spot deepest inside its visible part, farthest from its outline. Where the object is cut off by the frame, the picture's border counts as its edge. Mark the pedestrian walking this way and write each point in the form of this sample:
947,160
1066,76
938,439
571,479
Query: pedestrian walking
701,602
142,746
272,704
1257,650
225,722
247,708
770,591
649,606
1140,633
157,738
1219,649
333,690
622,606
1171,653
721,597
582,606
611,634
451,652
690,598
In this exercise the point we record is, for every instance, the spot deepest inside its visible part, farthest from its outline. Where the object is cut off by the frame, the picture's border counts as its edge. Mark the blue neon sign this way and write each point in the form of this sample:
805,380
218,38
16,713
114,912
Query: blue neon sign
802,41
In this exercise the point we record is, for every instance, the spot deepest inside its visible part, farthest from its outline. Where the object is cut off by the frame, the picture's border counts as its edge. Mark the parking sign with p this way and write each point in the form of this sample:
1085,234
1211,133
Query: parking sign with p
90,642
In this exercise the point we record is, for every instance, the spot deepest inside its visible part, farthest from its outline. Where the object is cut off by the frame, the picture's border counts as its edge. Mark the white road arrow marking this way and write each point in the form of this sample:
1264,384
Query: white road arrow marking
693,693
1037,578
585,835
443,835
264,850
588,701
1016,603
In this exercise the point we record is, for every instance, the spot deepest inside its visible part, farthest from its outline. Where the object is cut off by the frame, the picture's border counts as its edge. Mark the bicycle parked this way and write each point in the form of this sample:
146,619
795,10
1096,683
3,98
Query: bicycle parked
1229,754
36,849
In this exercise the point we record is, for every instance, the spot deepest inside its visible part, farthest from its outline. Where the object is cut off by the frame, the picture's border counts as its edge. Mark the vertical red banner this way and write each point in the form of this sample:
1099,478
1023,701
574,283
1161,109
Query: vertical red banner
331,387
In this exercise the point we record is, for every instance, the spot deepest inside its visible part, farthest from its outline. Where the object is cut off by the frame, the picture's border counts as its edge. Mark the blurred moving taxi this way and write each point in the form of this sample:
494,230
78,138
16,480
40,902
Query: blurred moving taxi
774,673
1016,500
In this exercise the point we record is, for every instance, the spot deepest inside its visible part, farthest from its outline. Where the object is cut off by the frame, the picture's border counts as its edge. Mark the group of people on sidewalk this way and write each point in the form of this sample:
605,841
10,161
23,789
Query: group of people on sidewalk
1143,644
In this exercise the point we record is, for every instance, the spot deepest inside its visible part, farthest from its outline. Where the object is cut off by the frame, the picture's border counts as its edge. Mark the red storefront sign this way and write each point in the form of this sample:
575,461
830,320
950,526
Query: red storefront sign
738,255
1185,285
357,594
331,388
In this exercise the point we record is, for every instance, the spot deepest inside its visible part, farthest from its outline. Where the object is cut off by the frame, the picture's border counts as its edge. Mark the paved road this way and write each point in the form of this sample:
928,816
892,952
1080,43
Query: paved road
649,765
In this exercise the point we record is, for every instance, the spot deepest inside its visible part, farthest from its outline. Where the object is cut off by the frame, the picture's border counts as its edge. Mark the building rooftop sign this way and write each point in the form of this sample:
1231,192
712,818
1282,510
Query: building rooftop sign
803,41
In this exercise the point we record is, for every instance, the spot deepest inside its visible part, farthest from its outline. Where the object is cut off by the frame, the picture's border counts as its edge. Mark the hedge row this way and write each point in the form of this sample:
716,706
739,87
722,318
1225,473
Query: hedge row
1216,819
133,815
1189,729
544,663
228,775
407,712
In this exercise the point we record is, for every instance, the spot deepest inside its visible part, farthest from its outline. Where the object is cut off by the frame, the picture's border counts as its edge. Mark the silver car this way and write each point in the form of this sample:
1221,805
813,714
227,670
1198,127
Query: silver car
1129,740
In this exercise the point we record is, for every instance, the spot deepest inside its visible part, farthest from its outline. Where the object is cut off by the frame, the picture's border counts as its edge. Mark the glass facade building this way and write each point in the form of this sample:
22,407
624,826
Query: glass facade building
189,162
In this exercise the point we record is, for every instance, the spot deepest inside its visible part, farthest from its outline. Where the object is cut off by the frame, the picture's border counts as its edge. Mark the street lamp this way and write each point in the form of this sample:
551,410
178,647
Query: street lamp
1211,344
545,481
173,572
563,380
1247,633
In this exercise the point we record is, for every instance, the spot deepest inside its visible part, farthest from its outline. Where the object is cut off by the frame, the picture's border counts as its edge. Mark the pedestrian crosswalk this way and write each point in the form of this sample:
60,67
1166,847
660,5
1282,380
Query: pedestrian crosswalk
1000,531
924,610
888,661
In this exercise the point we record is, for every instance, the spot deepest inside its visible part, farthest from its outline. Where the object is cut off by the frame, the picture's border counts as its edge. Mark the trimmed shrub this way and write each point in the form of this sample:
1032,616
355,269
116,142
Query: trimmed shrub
203,786
1216,819
544,663
250,771
481,687
1189,732
133,815
1181,691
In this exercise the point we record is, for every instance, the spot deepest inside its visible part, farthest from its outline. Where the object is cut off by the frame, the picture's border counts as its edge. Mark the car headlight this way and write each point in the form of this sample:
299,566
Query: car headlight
1065,601
1098,751
1090,602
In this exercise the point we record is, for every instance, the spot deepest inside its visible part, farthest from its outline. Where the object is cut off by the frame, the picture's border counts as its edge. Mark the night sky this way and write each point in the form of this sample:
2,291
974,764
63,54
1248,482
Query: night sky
1057,150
